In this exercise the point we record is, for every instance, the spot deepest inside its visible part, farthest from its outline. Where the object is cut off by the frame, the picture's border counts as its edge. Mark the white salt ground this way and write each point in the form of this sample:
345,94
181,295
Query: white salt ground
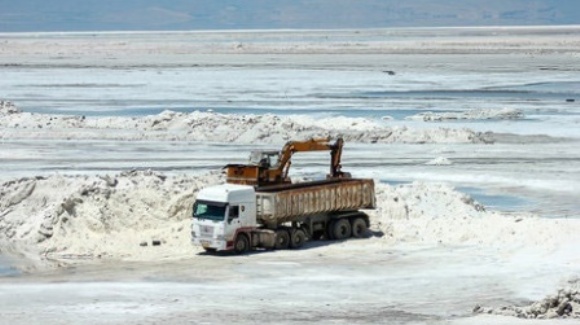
412,215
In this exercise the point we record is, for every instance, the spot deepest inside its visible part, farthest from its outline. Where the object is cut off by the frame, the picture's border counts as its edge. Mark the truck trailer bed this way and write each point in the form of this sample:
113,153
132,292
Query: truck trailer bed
292,202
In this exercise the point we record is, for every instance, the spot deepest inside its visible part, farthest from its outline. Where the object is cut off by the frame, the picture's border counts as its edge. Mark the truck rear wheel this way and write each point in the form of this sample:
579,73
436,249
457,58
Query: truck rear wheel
297,238
282,239
242,244
359,228
341,229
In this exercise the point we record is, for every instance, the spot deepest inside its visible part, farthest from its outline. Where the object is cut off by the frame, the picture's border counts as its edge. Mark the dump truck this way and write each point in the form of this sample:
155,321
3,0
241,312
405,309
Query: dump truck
240,217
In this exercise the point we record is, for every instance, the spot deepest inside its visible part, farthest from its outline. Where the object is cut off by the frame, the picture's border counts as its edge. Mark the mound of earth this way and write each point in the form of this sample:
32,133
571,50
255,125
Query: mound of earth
214,127
564,304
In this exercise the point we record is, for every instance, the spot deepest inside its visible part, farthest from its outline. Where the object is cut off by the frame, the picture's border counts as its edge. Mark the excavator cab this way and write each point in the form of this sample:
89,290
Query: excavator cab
266,159
259,170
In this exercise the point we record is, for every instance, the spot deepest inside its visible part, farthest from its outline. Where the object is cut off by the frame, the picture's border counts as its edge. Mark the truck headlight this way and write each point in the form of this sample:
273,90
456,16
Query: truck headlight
220,237
193,234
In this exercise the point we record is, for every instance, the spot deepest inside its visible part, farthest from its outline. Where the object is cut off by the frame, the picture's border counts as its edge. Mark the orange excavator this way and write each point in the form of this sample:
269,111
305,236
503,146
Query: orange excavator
271,167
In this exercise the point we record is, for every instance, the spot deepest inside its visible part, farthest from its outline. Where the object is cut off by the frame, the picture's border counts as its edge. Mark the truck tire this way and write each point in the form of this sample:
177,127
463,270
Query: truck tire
282,239
242,244
297,238
359,227
341,229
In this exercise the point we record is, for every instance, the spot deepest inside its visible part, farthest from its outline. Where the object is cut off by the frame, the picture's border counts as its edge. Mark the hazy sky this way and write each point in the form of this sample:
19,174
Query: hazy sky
93,15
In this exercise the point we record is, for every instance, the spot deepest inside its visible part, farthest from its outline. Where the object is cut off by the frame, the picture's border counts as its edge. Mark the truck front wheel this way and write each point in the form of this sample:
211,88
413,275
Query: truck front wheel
242,244
341,229
282,239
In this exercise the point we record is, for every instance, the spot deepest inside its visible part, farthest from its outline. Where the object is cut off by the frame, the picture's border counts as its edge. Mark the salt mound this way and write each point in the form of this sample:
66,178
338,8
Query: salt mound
478,114
89,217
208,126
439,161
438,214
564,304
7,108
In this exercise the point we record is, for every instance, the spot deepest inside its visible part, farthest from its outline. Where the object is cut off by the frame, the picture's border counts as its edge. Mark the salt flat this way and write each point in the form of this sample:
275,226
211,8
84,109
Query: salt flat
95,104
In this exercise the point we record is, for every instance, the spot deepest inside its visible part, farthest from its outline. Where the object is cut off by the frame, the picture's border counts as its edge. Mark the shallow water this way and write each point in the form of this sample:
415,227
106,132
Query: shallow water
502,202
259,90
6,269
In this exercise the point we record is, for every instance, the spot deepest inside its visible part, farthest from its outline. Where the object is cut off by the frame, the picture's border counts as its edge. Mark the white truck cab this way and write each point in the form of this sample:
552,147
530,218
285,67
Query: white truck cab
220,212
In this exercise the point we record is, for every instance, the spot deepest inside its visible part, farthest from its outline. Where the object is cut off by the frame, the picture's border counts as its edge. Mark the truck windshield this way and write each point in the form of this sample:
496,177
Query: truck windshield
209,210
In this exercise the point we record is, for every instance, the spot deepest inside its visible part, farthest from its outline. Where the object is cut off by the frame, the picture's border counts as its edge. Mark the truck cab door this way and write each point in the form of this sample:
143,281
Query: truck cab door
233,221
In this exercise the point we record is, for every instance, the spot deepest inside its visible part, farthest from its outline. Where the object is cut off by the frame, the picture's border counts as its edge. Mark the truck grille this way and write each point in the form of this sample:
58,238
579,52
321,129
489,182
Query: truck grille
206,231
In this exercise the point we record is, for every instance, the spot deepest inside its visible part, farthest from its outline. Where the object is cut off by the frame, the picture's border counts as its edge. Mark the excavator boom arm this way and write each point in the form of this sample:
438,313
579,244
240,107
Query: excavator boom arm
313,144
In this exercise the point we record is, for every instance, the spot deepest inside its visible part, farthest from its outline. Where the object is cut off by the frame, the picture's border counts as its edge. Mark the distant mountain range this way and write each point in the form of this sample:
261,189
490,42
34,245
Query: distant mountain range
109,15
